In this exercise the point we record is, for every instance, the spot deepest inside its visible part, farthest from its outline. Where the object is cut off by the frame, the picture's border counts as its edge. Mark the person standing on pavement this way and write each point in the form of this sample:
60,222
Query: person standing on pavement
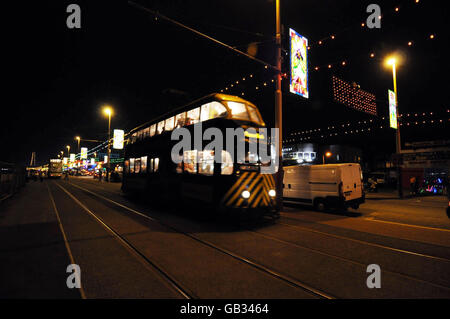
413,185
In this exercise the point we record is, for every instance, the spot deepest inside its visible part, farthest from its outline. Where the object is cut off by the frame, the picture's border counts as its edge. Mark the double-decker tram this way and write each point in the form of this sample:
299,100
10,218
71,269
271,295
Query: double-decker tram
197,179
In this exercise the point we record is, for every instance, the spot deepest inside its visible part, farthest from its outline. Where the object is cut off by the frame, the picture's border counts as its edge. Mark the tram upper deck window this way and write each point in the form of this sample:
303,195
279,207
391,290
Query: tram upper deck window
160,127
146,132
169,124
180,120
152,130
254,116
193,116
238,111
212,110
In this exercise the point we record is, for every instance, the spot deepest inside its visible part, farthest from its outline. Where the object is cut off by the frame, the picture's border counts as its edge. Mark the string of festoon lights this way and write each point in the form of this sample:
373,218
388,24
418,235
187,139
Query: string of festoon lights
260,85
371,55
367,126
333,36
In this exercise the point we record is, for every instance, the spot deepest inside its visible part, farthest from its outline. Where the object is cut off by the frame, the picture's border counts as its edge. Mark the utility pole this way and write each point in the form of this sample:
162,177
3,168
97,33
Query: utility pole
279,110
397,139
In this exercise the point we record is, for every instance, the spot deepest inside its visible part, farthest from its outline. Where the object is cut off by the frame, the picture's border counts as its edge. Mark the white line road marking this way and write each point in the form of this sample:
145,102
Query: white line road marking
372,219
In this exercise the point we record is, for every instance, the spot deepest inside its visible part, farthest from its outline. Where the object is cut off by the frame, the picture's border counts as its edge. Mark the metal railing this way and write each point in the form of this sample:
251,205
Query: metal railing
12,178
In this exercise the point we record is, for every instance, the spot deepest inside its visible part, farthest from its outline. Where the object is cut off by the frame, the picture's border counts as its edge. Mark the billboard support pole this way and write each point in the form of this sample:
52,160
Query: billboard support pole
279,111
397,137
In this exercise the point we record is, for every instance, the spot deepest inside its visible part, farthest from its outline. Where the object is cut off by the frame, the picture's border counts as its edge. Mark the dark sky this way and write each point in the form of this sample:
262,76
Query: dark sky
57,78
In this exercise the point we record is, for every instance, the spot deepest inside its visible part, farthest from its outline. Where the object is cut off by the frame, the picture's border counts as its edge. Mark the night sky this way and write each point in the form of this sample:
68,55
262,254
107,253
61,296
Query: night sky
57,79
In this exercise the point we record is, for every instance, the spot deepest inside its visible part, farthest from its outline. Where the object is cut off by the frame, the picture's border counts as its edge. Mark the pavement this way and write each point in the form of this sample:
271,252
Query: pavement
128,248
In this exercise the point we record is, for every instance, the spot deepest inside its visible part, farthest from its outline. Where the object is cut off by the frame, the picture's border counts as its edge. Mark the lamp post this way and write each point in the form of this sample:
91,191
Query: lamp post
78,140
108,111
68,150
393,61
279,110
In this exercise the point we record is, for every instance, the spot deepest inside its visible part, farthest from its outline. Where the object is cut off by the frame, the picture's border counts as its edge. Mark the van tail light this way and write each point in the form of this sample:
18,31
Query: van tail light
341,190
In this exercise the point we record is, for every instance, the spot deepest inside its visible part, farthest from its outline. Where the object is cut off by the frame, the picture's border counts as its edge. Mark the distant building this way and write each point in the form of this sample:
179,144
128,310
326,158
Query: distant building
309,153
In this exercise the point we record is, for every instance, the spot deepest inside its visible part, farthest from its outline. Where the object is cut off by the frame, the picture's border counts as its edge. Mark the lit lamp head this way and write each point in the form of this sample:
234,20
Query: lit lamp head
107,110
77,138
394,60
68,147
328,154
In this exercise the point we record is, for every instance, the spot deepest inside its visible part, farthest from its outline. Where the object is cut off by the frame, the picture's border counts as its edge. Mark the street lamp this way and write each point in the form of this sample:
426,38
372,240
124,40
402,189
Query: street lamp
108,111
78,140
393,61
68,150
327,154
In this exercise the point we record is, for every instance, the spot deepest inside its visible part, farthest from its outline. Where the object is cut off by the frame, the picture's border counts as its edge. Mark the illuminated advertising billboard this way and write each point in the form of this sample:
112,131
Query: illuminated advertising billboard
105,159
92,161
118,139
392,110
65,160
84,152
72,158
299,64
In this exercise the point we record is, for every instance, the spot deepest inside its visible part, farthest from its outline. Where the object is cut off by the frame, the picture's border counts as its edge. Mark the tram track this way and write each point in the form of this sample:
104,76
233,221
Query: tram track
173,283
260,267
344,259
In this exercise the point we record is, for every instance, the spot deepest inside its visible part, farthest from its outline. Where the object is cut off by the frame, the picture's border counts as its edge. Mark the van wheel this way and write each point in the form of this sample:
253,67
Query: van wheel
319,205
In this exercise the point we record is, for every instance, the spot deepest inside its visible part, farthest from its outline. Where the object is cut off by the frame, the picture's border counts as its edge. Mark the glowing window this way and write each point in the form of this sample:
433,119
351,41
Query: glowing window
193,116
190,161
160,127
156,165
151,165
152,130
137,165
169,124
227,163
206,162
254,116
238,111
212,110
144,164
180,120
131,165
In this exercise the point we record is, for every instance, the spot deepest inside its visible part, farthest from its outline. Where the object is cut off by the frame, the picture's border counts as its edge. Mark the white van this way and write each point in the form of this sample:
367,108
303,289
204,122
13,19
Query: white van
324,186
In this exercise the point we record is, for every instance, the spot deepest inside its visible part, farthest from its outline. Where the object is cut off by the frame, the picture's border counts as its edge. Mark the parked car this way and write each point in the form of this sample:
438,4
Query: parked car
324,186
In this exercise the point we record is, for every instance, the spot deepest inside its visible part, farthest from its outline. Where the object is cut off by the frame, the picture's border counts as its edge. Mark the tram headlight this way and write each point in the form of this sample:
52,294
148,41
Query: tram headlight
272,193
245,194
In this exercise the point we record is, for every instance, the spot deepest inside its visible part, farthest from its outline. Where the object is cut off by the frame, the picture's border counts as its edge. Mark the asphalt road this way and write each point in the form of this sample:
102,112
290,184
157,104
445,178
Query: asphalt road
128,249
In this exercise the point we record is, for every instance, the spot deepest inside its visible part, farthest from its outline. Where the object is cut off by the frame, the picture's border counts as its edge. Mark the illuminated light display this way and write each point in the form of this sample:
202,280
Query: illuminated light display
352,96
392,110
72,158
84,152
299,64
92,161
118,139
105,159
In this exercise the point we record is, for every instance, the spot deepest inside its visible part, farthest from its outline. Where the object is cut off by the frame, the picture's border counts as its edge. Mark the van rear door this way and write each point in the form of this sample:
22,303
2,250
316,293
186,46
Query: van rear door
351,181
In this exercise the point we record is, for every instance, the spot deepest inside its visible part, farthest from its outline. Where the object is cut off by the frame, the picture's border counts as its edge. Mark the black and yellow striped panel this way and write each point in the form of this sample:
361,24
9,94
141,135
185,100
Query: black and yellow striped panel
257,184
